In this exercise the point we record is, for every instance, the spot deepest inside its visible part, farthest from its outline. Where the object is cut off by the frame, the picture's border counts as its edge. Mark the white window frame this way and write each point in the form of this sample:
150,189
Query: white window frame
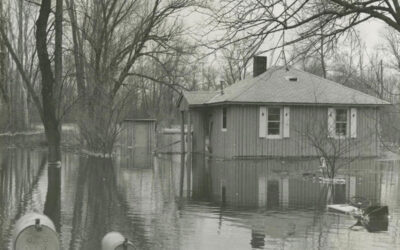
332,123
280,123
353,123
222,119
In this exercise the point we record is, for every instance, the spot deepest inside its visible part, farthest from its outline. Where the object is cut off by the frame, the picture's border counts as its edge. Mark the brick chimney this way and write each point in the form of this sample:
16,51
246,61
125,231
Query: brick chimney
259,65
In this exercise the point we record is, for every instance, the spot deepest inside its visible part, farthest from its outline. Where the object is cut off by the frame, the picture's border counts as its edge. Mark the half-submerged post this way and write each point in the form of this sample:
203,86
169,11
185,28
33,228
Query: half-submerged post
116,241
189,155
182,153
35,231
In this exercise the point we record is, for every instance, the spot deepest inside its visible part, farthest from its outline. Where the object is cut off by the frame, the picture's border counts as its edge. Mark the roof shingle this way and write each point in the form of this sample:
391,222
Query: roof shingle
274,86
198,97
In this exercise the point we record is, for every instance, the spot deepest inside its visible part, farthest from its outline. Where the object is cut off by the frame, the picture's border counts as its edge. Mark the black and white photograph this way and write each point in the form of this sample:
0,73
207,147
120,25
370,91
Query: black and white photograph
199,124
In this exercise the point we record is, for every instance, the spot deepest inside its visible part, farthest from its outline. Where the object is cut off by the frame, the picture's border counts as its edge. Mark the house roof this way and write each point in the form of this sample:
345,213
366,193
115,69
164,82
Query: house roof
274,86
198,97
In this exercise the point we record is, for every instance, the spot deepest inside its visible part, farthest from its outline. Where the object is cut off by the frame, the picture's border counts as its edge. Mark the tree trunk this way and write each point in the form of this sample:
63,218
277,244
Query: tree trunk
20,113
323,66
79,65
49,117
58,45
53,137
4,92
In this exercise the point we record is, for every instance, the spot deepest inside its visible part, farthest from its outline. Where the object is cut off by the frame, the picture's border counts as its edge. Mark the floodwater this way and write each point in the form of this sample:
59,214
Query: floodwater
249,204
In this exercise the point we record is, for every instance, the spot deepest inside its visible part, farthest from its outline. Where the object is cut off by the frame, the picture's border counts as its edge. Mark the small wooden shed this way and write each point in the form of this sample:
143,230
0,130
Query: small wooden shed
138,141
283,112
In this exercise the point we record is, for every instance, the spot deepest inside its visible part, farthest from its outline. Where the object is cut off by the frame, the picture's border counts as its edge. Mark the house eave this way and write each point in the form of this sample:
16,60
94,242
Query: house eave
288,104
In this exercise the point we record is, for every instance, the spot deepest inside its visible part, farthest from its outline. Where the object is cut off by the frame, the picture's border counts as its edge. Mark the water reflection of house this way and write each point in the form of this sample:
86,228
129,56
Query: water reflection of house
286,220
134,158
276,183
283,198
276,111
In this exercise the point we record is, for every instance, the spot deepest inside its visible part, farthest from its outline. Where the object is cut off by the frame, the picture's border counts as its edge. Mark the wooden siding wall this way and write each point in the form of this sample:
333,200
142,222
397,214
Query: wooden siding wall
169,141
200,124
146,130
242,136
137,141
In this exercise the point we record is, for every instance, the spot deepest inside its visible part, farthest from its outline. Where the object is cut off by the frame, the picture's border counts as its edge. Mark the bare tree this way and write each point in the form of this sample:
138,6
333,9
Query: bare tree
315,54
333,142
209,77
4,93
19,97
161,81
235,60
50,88
262,21
17,25
108,39
48,104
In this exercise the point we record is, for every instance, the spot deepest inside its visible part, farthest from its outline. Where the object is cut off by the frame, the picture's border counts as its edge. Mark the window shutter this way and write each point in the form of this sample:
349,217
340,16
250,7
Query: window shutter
331,122
262,128
286,122
353,122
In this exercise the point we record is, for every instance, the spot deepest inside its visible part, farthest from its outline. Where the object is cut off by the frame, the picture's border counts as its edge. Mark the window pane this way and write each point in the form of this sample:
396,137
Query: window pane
273,128
274,118
341,129
274,121
341,122
341,115
273,131
274,112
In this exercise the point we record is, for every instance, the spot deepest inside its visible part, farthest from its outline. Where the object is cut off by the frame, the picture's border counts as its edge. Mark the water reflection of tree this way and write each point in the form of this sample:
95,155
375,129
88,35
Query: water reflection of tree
98,209
150,194
20,173
52,206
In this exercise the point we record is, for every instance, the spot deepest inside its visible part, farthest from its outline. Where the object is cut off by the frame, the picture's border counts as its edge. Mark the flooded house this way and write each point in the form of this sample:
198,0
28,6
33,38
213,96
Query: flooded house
282,112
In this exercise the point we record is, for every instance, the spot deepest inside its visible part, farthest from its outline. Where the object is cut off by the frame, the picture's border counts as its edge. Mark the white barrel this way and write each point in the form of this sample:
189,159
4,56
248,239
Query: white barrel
35,231
116,241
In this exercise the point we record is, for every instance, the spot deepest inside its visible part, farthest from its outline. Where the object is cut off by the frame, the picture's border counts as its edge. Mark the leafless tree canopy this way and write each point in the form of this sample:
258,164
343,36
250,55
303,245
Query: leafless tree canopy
111,40
301,19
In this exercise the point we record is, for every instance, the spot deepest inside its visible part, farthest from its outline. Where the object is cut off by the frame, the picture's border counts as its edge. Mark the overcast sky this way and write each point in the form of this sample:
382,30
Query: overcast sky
371,33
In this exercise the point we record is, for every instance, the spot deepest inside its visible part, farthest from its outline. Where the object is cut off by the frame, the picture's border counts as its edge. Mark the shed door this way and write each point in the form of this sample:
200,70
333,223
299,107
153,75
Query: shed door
141,151
140,135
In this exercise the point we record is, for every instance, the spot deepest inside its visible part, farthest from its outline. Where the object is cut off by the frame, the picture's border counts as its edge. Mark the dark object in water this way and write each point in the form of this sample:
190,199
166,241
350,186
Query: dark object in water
35,231
309,174
375,218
